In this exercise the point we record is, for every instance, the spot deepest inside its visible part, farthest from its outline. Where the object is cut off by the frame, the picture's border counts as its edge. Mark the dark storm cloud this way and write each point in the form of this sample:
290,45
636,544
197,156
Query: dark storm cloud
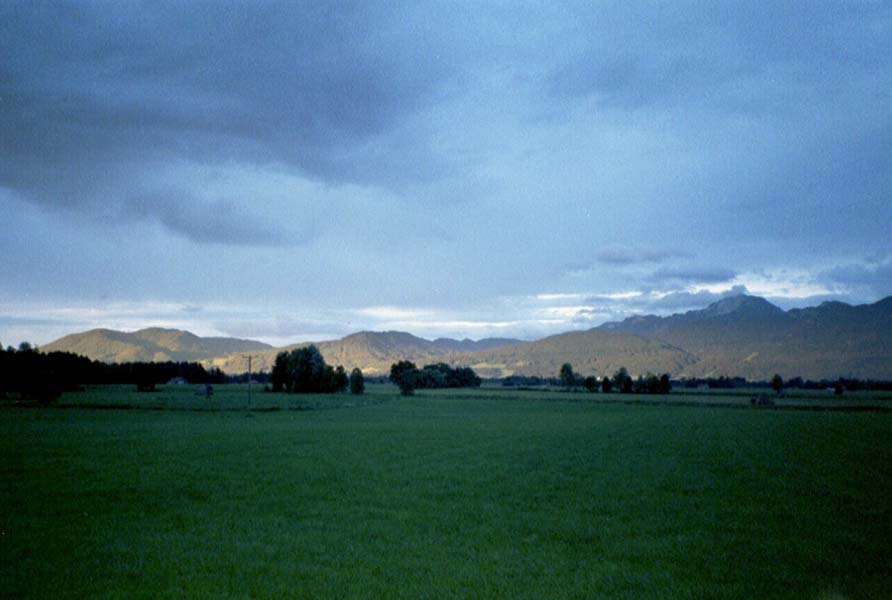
98,93
872,279
633,150
214,222
661,278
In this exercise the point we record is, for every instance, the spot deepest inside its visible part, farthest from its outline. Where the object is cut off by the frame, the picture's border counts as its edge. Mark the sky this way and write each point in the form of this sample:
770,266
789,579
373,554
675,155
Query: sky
300,171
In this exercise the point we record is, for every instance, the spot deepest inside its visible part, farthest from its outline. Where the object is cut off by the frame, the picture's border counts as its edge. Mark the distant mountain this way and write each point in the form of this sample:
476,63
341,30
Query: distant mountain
593,351
588,351
745,312
371,351
738,336
154,344
750,337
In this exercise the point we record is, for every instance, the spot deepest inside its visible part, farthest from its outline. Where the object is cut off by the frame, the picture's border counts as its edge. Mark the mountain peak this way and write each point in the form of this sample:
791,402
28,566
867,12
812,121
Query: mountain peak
741,305
740,309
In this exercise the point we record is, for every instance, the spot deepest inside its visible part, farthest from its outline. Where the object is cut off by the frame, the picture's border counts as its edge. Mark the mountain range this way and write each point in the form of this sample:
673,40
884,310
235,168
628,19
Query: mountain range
750,337
742,335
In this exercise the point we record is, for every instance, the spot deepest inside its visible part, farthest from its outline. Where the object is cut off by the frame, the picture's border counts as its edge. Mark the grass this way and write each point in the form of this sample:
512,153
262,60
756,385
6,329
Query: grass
224,398
461,494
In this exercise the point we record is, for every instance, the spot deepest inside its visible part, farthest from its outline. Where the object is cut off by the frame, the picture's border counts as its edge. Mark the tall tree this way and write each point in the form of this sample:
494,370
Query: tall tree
280,373
357,381
405,375
665,384
777,383
567,376
622,381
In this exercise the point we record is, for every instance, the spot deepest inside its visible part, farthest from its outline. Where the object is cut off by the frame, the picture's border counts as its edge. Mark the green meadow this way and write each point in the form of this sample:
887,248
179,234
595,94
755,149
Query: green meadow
467,493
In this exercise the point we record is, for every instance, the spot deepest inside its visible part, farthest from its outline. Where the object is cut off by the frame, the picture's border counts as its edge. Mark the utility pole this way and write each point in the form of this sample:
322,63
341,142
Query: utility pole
249,383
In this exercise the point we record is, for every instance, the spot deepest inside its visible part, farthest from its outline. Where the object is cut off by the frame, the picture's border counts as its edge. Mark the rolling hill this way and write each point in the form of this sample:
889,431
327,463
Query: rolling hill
372,351
742,336
154,344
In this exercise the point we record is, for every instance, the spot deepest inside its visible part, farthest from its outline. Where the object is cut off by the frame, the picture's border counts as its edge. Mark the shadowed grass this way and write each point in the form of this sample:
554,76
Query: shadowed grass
446,495
224,398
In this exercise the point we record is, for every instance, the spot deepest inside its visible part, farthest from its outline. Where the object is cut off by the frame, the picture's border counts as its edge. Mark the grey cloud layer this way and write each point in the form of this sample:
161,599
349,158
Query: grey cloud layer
100,94
366,153
301,84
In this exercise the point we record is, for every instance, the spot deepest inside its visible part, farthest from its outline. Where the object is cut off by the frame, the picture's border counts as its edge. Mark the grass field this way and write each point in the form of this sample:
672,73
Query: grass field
487,493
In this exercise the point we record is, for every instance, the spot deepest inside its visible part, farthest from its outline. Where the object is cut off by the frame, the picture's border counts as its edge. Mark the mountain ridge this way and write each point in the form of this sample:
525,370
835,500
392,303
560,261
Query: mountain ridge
740,335
152,344
749,337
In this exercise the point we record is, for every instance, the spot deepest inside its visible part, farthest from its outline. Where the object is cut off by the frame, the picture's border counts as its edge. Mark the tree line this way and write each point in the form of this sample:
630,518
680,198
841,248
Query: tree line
304,370
34,375
621,382
840,384
28,373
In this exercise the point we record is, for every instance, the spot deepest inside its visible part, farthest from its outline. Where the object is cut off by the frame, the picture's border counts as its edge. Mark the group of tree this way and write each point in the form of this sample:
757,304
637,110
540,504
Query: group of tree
651,384
408,377
30,374
840,384
569,379
851,383
621,381
304,371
